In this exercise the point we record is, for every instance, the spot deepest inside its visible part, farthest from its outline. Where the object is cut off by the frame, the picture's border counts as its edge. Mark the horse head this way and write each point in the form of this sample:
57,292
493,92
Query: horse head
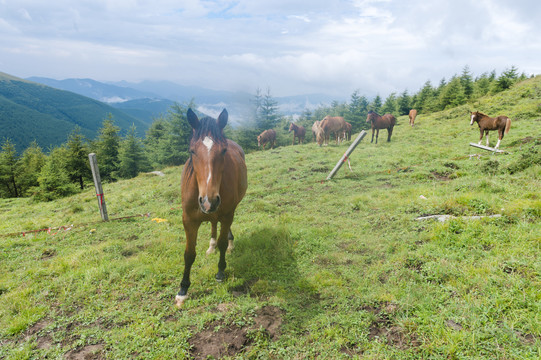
292,127
208,148
474,117
258,140
371,116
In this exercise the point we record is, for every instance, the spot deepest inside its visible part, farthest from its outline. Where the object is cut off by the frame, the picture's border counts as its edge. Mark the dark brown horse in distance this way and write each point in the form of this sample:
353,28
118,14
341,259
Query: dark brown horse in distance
377,122
329,125
412,116
267,136
298,132
501,123
213,183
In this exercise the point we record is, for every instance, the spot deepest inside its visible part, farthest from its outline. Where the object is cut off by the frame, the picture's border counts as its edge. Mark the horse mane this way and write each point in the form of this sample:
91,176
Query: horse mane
208,127
481,114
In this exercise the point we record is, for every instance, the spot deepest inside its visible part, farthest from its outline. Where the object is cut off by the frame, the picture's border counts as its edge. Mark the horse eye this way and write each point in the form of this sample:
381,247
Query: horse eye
192,151
224,151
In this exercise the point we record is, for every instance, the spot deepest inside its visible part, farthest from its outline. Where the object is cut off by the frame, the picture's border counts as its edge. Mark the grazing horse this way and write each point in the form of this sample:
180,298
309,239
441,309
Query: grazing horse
386,121
267,136
501,123
298,132
213,182
316,129
412,115
331,124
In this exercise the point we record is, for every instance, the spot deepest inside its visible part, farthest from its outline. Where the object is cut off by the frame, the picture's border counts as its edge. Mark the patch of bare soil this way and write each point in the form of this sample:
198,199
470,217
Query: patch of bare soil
88,352
382,328
220,339
440,176
43,340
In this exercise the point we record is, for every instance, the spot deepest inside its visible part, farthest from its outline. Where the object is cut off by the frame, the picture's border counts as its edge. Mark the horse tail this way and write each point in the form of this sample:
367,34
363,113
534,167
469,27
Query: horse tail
507,126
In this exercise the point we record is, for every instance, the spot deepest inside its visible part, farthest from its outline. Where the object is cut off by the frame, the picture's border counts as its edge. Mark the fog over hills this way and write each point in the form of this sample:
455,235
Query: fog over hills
149,99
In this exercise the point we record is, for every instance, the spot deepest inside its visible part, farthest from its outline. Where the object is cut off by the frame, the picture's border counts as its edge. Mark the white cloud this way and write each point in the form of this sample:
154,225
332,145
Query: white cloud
291,46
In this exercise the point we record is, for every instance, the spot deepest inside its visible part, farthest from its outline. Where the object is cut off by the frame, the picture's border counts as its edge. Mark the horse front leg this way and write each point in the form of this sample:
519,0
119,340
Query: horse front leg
189,258
212,244
480,136
372,135
377,135
223,239
486,135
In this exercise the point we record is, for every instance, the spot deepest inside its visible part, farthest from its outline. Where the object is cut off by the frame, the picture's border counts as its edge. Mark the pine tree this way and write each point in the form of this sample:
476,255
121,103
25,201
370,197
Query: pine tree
390,105
77,163
54,181
132,158
356,111
268,116
107,149
32,161
10,170
466,80
376,104
403,103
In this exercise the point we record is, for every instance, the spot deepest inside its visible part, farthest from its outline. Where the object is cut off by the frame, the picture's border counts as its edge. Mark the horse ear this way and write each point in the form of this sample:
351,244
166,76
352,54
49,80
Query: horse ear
192,119
222,119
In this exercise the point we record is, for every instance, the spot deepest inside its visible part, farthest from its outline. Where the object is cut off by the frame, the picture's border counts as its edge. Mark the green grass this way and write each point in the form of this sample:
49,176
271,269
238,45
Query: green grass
352,272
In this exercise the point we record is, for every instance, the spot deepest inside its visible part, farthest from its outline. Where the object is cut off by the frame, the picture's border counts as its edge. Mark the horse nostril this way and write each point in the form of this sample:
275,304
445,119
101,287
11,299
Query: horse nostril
218,200
200,200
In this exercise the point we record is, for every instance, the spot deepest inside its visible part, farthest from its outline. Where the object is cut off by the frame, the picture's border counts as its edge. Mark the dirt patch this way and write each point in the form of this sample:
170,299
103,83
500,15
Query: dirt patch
220,339
89,352
382,328
243,288
47,254
441,176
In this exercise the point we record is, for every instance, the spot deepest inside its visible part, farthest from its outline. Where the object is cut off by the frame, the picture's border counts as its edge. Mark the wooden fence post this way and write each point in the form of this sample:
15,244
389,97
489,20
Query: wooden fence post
97,185
347,153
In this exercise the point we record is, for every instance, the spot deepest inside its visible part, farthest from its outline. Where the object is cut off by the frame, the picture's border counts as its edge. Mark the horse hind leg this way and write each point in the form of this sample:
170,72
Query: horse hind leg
223,240
212,243
389,133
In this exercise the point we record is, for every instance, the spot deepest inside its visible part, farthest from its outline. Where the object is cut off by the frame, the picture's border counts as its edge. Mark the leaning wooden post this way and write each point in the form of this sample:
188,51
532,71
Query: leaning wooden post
97,185
347,153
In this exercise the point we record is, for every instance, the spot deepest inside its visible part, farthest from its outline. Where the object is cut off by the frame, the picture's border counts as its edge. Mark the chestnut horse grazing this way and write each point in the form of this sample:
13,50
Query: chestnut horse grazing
298,132
412,115
267,136
213,182
331,124
486,124
386,121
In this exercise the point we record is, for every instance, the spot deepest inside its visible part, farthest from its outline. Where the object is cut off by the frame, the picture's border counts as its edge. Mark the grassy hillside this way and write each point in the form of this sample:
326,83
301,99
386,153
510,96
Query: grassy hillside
30,111
321,269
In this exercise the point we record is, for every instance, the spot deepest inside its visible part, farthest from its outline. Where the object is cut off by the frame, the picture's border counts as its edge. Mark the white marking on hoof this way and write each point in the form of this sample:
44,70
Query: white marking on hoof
498,144
212,246
179,300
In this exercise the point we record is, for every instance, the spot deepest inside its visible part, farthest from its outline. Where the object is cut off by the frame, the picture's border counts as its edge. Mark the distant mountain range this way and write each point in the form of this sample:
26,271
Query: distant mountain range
30,111
148,99
47,110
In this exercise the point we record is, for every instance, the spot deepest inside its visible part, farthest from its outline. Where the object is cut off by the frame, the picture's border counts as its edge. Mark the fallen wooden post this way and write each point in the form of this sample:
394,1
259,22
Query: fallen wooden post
347,153
486,148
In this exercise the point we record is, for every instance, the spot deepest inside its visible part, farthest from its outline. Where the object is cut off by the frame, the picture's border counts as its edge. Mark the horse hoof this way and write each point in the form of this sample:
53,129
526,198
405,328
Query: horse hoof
211,250
220,276
179,300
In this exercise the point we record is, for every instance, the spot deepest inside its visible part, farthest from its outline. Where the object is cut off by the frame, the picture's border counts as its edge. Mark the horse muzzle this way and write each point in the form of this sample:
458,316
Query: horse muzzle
208,206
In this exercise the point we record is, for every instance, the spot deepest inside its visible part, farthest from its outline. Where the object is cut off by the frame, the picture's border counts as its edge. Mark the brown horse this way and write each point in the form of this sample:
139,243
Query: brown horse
267,136
298,132
486,124
412,115
331,124
386,121
213,182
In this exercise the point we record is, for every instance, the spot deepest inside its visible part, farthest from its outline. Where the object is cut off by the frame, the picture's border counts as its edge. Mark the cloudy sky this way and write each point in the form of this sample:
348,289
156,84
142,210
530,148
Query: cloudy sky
288,46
